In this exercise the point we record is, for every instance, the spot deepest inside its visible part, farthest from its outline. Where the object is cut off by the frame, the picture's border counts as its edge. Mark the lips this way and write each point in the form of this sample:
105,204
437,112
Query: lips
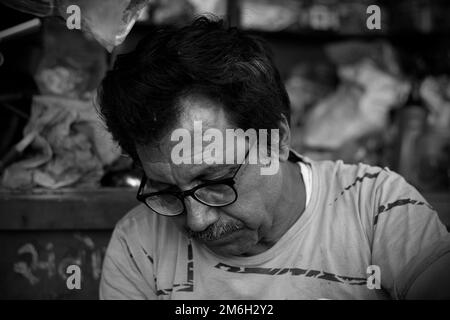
226,238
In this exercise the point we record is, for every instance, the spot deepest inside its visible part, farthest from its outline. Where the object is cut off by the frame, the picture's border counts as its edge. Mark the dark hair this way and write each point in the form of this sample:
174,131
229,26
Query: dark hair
138,98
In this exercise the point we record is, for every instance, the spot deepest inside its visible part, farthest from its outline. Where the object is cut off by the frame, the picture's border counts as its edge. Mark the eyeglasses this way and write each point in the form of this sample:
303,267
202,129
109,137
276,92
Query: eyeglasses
217,193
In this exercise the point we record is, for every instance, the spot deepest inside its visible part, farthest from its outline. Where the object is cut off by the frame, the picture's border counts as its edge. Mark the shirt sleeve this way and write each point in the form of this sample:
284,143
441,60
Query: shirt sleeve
121,277
408,235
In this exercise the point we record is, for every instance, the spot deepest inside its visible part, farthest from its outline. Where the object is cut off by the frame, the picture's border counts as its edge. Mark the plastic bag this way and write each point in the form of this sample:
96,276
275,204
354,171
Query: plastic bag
40,8
109,22
73,70
435,92
70,147
359,106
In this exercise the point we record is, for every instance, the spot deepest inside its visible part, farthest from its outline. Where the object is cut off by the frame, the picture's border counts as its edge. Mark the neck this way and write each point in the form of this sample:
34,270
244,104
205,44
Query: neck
290,205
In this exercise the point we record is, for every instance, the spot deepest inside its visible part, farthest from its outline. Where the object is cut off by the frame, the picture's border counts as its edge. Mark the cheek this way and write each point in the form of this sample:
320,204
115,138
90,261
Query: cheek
259,193
250,209
256,202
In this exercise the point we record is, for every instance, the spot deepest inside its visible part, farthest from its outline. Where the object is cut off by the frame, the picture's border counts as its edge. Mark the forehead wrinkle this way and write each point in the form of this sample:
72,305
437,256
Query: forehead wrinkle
193,107
203,170
182,177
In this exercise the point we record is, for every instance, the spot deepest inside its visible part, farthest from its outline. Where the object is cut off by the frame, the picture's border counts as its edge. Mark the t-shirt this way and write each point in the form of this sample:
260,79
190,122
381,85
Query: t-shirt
365,234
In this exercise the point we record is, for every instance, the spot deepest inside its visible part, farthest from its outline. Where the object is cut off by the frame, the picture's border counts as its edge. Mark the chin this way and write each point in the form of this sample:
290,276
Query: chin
241,247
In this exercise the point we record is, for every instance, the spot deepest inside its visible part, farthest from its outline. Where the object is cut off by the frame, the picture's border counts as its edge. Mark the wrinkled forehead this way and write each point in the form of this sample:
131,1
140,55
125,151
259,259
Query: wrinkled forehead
186,148
203,137
210,146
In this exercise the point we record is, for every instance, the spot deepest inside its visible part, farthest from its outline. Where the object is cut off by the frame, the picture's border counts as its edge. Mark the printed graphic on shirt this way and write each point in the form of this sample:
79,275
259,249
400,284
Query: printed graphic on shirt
295,272
359,179
187,286
398,203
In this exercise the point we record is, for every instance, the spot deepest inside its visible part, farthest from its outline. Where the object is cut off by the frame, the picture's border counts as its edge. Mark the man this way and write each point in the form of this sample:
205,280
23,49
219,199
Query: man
222,229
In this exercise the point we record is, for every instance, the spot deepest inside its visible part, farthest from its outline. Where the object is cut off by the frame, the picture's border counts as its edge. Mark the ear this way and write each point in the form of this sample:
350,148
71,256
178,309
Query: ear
285,139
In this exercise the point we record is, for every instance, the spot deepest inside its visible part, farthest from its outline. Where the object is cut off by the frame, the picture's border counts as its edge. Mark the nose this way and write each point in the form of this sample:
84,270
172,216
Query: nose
199,216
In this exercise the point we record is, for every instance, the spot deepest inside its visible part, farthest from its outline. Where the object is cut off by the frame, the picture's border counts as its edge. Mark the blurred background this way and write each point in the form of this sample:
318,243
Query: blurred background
365,86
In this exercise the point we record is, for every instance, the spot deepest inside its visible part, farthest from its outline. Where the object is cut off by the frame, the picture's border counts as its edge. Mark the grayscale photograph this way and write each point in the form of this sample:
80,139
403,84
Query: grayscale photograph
226,154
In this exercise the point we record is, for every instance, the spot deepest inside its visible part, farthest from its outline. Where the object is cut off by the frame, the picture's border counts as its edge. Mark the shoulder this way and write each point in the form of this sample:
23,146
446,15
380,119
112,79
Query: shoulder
355,177
370,190
369,184
138,216
361,189
142,226
334,176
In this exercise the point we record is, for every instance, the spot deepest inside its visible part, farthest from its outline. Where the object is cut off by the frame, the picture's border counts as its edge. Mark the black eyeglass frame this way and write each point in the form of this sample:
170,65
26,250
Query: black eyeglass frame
191,192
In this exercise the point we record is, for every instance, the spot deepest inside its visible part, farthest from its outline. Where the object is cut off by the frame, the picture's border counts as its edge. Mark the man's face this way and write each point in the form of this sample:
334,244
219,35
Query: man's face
237,229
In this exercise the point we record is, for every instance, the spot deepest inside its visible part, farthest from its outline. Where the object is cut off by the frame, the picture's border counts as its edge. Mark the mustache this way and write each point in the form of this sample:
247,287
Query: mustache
215,231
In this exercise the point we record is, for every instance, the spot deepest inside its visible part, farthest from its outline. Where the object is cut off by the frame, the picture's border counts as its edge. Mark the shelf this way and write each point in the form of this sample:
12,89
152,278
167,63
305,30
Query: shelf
99,209
406,36
289,35
67,209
